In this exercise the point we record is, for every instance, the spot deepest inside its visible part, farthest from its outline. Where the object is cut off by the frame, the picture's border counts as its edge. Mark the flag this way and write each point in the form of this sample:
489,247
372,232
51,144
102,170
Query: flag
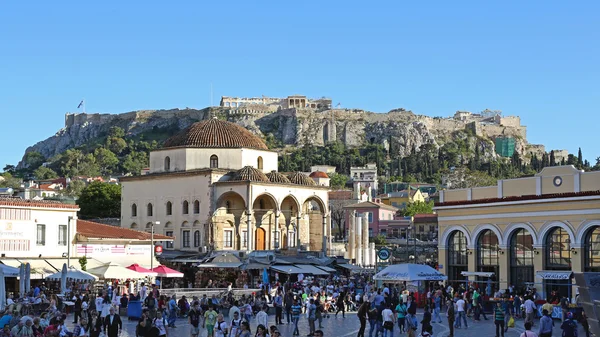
80,104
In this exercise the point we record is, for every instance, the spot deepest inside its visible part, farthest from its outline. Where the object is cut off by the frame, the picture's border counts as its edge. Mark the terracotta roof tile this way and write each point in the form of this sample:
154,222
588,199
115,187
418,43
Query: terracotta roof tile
249,173
215,133
300,178
96,230
319,174
18,202
279,178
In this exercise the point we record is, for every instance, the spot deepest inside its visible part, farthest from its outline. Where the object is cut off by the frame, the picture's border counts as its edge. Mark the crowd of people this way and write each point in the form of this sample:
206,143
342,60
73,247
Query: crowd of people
389,310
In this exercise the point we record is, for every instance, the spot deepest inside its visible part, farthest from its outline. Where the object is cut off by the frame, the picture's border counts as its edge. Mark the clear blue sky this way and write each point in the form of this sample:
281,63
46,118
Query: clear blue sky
535,59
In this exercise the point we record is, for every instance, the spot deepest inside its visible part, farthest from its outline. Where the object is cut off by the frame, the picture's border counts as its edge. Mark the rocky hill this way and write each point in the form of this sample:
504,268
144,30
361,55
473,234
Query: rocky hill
399,131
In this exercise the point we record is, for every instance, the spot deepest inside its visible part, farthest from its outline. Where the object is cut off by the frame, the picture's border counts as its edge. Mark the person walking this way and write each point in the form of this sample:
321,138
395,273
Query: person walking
288,302
529,310
372,315
499,319
112,324
363,314
437,307
546,324
341,305
296,311
401,315
569,326
173,308
461,312
528,332
278,303
388,320
450,316
312,316
194,319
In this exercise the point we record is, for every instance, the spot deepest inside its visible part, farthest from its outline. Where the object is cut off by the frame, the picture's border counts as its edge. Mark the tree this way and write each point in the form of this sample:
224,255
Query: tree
7,180
100,200
337,180
33,159
417,207
42,173
135,162
552,158
116,144
10,168
116,132
338,215
106,160
579,158
83,262
75,188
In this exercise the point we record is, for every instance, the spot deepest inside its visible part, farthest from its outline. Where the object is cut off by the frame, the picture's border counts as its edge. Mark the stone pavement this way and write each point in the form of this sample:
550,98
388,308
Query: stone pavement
347,327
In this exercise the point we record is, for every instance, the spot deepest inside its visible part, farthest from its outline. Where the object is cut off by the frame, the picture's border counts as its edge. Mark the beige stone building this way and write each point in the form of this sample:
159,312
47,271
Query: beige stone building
529,231
215,186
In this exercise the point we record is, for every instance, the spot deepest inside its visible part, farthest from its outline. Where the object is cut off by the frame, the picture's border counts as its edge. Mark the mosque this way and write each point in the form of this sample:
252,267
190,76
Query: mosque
215,186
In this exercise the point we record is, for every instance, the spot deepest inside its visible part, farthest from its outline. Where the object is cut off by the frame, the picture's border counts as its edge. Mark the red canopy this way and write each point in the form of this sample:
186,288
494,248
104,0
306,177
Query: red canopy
136,267
163,271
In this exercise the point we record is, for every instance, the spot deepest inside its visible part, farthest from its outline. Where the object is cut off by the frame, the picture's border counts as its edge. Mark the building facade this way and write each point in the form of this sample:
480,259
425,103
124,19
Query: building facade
215,186
531,231
378,216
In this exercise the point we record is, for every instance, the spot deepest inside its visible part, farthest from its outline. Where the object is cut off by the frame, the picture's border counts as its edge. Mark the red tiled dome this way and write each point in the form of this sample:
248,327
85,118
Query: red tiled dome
215,133
249,173
299,178
319,174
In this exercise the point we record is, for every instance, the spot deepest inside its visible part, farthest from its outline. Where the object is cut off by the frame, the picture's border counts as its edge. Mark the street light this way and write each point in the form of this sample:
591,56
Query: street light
152,243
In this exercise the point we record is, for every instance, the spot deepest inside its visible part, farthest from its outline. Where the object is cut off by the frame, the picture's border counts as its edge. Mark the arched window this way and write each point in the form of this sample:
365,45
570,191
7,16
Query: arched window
134,210
591,251
169,208
196,207
167,163
488,255
557,257
149,210
457,256
259,163
134,226
186,207
521,258
197,239
214,161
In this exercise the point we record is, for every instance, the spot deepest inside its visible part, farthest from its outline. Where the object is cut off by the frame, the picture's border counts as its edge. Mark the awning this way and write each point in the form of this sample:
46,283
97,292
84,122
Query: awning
310,269
350,267
39,267
554,275
91,263
288,269
409,272
476,273
230,265
255,266
327,269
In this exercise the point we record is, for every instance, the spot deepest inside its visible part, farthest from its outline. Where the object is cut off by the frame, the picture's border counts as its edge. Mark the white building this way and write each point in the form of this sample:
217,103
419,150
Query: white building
215,180
366,178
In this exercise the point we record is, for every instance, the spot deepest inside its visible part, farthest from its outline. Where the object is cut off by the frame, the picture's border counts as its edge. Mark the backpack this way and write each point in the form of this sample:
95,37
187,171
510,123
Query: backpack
154,332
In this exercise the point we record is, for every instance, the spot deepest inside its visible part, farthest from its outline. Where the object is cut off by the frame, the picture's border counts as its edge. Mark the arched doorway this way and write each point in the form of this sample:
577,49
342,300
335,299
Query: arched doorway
557,257
457,256
314,209
261,242
264,209
289,210
488,257
521,258
591,250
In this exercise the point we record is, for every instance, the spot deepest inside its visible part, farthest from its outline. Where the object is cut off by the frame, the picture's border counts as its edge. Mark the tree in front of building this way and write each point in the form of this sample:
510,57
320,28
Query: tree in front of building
42,173
100,200
83,263
417,207
337,181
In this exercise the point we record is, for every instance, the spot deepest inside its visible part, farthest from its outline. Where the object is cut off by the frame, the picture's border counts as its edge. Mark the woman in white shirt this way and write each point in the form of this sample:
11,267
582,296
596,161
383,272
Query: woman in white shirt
388,320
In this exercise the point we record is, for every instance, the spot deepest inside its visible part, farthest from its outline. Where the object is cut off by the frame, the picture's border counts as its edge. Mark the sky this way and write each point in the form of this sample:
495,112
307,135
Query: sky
534,59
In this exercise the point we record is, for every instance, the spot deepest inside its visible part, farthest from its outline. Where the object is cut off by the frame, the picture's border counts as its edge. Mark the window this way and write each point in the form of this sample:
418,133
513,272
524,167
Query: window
521,258
370,217
244,239
62,235
370,232
197,239
421,228
41,235
214,161
196,207
185,207
292,239
186,239
488,254
149,210
259,163
169,208
558,252
457,256
167,164
228,238
133,210
591,251
169,243
276,239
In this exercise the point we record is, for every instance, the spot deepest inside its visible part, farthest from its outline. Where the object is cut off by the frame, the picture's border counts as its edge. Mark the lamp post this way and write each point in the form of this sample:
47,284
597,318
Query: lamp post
69,241
152,243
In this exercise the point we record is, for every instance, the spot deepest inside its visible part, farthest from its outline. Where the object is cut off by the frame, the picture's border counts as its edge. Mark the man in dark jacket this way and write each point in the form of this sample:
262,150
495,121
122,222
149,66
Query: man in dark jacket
450,315
112,324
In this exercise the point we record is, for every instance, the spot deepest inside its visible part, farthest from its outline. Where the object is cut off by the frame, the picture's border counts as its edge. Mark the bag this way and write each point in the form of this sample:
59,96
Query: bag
511,323
154,332
388,325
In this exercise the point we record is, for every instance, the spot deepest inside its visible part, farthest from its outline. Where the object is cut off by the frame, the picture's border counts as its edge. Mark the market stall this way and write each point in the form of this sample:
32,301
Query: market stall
409,272
548,276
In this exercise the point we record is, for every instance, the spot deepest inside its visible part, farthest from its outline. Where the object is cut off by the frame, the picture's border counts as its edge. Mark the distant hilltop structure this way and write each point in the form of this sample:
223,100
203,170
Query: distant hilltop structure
294,101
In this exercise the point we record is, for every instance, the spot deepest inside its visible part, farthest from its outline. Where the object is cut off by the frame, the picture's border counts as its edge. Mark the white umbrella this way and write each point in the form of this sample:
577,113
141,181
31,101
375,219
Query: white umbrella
113,271
409,272
27,278
2,290
22,280
73,274
9,271
63,279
